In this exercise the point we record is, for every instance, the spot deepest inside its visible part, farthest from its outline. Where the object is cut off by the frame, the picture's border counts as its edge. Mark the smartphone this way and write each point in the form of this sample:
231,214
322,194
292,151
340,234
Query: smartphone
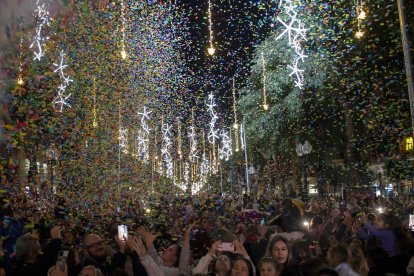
122,232
262,221
411,222
226,246
61,261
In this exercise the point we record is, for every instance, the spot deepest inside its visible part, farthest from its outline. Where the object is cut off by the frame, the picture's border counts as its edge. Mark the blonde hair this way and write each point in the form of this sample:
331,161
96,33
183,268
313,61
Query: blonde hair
357,260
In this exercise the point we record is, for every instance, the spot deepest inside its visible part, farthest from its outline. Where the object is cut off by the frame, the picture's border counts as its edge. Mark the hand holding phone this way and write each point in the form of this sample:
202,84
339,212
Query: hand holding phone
61,261
122,232
226,246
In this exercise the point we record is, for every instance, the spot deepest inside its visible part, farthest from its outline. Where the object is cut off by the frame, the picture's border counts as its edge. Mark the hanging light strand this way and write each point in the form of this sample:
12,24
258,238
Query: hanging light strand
94,122
265,105
62,97
43,19
361,15
211,49
123,51
235,125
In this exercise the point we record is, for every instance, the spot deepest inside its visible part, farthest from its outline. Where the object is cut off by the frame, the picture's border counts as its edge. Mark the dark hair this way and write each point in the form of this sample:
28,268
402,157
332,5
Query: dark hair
327,272
269,260
313,265
339,254
247,262
272,243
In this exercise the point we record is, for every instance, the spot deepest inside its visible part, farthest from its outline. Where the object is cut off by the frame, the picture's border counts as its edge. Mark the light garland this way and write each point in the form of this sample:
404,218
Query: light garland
225,151
165,151
19,76
296,34
361,15
180,154
186,176
123,51
94,122
265,105
193,142
241,136
213,133
143,136
62,97
211,49
235,125
39,40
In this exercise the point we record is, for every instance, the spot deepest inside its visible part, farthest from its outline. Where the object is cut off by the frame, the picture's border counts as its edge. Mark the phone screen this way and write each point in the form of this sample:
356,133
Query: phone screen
411,222
262,221
122,232
226,246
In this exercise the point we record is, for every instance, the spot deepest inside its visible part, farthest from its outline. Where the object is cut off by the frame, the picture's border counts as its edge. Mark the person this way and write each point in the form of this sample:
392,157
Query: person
338,259
242,267
172,256
30,260
95,253
290,217
222,264
357,260
269,267
382,232
279,250
313,265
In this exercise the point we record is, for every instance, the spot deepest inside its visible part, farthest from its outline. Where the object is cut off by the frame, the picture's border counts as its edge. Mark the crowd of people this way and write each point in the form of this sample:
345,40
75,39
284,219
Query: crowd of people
207,235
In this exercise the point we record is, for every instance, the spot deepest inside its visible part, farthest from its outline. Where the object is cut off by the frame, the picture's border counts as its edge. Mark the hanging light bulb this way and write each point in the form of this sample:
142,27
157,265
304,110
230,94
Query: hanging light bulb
123,54
211,49
359,34
20,81
265,106
361,14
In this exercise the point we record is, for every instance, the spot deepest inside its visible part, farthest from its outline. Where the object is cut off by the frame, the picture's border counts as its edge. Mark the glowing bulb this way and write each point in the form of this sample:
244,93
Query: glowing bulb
306,223
123,54
148,210
20,81
361,15
211,51
359,34
235,126
265,107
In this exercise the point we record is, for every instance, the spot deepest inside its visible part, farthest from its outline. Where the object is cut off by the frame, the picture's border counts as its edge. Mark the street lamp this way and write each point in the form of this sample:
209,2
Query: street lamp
303,151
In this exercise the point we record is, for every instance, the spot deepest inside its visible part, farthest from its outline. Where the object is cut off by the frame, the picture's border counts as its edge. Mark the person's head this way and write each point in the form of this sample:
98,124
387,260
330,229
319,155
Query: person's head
171,255
381,221
337,254
223,264
357,260
27,249
94,248
90,270
269,267
242,267
279,250
316,220
327,272
313,265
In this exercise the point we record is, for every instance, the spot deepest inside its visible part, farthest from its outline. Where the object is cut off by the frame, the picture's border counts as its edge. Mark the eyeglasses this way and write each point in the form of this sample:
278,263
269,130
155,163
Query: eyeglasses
95,244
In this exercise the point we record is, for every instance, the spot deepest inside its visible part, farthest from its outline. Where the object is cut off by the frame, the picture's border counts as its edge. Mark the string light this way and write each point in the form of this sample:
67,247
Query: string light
179,139
43,18
235,125
165,151
213,132
265,105
361,15
193,142
143,136
123,51
94,122
225,151
62,97
19,76
211,49
296,34
241,136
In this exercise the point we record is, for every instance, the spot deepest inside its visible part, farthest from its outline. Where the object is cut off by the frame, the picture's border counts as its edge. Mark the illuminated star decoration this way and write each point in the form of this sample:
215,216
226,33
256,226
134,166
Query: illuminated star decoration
225,151
193,142
166,151
62,97
212,135
43,20
143,136
296,34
